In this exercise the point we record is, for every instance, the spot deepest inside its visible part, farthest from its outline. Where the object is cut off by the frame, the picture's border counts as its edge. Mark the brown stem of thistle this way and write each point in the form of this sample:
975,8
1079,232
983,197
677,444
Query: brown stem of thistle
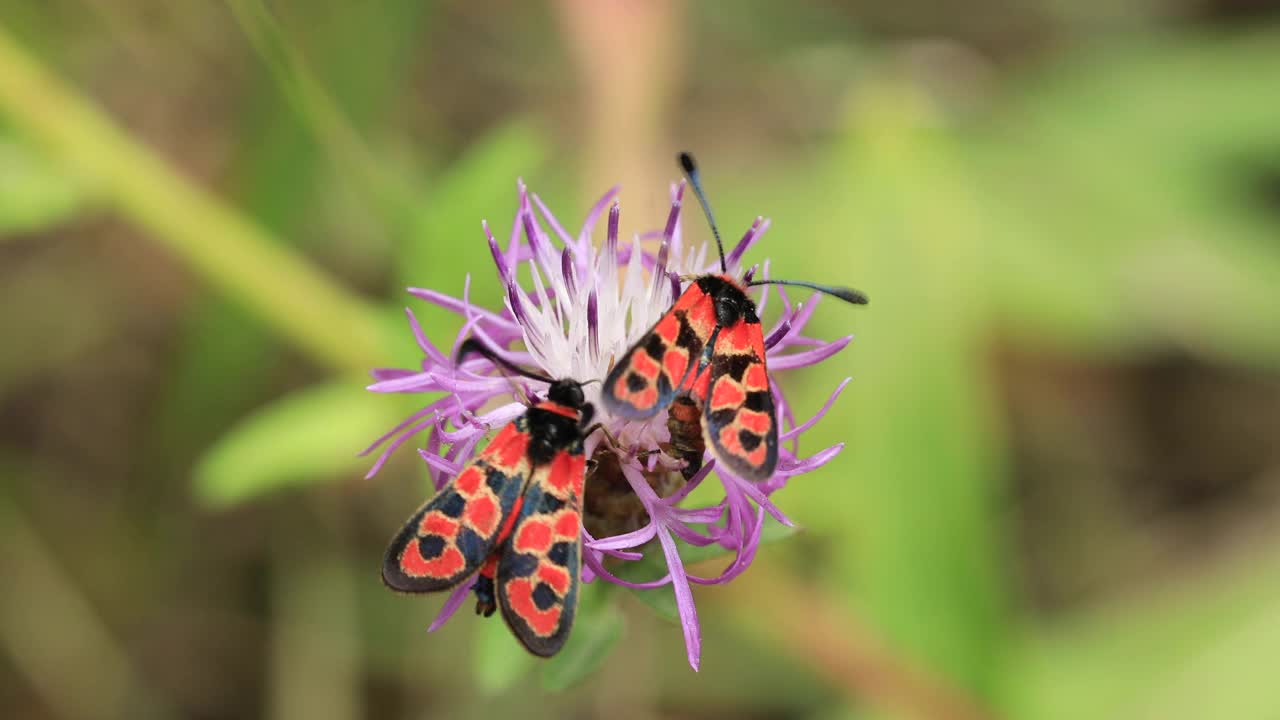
808,625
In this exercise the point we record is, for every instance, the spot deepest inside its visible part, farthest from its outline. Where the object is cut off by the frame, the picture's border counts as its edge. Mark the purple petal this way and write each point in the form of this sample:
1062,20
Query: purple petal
754,492
381,374
513,302
815,461
621,554
396,443
428,410
635,538
809,357
679,495
753,234
793,432
806,311
673,217
552,221
593,322
780,404
455,305
641,488
744,555
438,463
499,260
568,270
456,598
611,239
764,290
417,382
689,535
778,333
704,515
599,569
428,348
684,599
588,225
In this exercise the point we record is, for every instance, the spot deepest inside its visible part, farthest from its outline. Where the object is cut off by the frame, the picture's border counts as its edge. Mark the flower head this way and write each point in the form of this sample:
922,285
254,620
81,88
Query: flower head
582,307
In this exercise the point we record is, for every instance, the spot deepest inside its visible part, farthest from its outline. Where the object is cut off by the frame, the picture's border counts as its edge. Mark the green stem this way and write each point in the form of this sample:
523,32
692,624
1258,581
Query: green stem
301,302
318,109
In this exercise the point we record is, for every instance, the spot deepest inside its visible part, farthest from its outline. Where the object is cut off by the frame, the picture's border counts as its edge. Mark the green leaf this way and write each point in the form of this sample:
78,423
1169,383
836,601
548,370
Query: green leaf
303,438
596,630
34,193
499,661
654,565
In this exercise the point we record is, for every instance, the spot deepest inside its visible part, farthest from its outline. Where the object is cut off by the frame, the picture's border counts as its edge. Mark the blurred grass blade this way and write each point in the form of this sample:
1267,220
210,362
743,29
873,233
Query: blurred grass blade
306,437
314,104
230,252
597,628
922,535
56,639
34,194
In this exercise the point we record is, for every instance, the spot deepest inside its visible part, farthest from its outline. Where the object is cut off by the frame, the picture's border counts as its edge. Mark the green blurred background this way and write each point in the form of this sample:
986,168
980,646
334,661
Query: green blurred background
1062,480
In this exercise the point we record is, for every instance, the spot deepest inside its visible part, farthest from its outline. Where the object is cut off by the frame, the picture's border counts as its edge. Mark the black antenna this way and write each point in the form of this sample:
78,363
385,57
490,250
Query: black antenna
471,345
691,169
849,295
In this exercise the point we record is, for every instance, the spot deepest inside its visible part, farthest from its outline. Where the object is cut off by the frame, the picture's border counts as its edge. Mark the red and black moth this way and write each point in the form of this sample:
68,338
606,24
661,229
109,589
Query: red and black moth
708,350
514,515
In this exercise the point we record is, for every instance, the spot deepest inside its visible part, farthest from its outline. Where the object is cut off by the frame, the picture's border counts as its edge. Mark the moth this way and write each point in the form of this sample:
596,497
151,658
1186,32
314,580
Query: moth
707,352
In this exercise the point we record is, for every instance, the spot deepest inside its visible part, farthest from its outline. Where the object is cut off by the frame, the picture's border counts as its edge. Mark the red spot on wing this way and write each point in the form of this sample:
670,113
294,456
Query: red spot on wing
644,366
557,578
568,525
482,514
756,378
698,388
508,448
534,536
490,567
756,422
741,338
436,523
700,311
727,394
447,564
520,600
668,328
565,469
675,362
730,441
468,481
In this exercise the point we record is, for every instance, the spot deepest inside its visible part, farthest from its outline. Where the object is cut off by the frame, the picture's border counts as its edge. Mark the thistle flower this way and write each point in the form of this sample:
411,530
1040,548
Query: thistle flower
581,308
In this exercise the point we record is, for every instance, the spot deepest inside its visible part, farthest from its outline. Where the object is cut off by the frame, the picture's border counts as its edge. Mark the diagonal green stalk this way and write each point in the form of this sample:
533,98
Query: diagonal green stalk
318,108
309,308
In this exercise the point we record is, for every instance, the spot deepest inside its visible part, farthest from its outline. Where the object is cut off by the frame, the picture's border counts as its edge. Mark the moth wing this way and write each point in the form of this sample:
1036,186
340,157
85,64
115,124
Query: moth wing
738,415
450,536
540,569
660,364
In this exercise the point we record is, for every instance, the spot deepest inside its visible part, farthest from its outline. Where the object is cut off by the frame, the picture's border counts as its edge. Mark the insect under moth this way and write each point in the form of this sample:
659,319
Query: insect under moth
514,515
709,348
